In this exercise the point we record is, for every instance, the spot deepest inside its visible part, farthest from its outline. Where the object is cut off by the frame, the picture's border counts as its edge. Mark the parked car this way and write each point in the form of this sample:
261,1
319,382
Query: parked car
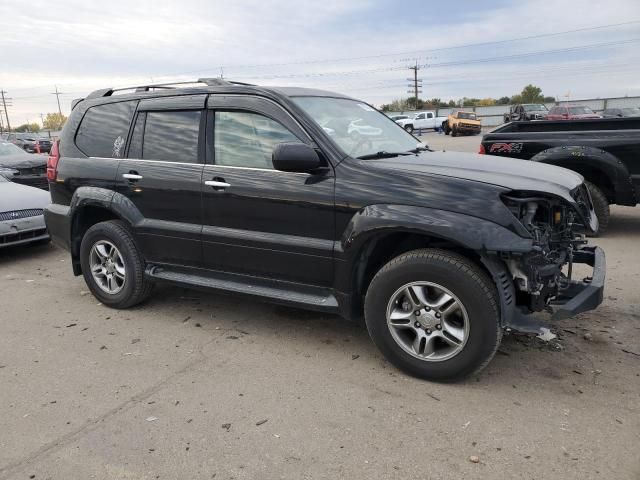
31,142
460,122
526,111
421,121
621,112
395,118
21,213
242,189
571,112
605,152
29,169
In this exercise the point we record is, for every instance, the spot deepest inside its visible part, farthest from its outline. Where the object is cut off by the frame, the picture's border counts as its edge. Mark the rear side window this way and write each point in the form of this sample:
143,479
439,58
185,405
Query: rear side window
104,128
170,136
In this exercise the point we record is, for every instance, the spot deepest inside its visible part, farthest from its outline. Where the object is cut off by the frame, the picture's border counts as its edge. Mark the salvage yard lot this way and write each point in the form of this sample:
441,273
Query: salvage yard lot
180,387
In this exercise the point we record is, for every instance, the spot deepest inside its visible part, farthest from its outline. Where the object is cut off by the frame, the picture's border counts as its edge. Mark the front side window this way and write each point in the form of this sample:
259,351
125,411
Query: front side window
357,128
104,128
246,139
420,116
170,136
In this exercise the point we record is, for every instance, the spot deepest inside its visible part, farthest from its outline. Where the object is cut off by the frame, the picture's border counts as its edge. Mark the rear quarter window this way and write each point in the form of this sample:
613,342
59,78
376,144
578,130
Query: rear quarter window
104,128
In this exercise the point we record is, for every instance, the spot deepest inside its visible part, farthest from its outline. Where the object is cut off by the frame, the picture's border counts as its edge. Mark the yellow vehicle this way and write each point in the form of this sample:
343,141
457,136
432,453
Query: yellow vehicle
460,122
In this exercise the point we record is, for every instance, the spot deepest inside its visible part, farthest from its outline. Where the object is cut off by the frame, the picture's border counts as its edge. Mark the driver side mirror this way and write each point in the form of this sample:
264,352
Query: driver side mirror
295,157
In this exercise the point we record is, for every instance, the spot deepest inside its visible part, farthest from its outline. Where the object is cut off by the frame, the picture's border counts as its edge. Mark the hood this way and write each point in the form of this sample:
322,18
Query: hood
14,196
508,173
23,161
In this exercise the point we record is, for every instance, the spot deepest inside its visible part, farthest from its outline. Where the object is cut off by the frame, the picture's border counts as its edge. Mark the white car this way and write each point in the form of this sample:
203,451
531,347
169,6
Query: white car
422,121
357,128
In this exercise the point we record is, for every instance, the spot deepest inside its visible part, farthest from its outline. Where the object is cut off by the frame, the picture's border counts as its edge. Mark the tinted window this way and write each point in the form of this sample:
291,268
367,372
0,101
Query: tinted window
244,139
580,110
104,128
171,136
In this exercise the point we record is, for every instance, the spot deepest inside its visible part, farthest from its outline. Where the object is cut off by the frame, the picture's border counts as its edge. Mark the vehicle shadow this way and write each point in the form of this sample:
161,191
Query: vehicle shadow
624,222
17,253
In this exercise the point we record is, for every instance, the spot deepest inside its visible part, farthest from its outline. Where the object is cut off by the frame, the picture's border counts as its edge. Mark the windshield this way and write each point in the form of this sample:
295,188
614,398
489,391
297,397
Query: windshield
530,108
467,115
10,149
631,112
357,128
580,111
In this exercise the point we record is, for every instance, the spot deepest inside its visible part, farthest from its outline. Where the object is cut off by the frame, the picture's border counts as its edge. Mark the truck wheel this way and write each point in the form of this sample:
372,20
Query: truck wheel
112,266
409,128
601,207
434,315
445,127
454,131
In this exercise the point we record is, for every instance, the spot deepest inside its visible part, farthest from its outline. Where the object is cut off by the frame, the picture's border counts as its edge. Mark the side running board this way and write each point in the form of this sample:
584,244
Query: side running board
276,291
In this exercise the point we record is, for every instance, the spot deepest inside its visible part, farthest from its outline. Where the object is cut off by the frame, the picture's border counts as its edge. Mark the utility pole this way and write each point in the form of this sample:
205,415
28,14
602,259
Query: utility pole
6,112
417,83
57,94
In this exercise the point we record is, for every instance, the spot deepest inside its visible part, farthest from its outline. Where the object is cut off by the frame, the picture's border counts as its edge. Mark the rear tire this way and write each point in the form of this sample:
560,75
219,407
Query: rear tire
601,207
109,250
430,273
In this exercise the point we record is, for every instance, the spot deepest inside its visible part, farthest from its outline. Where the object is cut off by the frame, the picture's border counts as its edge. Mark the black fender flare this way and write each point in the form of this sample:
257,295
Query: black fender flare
578,157
376,221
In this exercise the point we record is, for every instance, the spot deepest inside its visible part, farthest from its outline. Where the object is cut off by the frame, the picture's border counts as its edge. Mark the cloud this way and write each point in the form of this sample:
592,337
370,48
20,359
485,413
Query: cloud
81,46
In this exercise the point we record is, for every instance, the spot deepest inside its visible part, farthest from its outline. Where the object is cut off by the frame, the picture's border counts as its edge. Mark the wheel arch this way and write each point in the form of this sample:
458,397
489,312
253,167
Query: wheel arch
597,166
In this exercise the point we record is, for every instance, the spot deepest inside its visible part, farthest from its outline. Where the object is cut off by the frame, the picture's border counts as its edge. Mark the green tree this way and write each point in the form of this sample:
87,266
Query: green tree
28,127
531,94
54,121
503,101
549,99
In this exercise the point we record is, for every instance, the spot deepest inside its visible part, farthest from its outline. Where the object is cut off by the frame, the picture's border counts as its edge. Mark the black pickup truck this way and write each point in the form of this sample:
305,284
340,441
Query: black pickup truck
606,152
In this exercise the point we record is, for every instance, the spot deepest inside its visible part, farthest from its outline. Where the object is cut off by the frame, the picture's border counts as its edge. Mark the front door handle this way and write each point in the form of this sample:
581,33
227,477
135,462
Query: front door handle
217,185
133,177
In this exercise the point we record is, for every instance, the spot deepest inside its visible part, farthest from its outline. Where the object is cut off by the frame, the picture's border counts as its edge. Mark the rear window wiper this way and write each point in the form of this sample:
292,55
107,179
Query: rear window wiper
382,154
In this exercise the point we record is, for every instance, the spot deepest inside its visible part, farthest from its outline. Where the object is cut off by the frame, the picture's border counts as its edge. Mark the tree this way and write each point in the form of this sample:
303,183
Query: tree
28,127
54,121
486,102
503,101
531,94
549,99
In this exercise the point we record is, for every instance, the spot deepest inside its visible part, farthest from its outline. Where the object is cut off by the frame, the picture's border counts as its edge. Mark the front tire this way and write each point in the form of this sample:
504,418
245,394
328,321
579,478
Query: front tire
409,128
434,314
112,265
454,131
601,207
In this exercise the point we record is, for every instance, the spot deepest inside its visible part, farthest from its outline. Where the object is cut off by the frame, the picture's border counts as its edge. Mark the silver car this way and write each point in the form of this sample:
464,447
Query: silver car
21,213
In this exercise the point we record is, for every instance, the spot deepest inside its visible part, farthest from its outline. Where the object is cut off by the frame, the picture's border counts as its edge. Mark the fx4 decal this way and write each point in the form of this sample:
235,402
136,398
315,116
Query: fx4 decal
506,148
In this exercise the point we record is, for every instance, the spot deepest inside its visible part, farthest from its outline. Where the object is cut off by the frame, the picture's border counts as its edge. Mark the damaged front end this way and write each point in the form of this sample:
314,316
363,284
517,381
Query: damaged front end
543,278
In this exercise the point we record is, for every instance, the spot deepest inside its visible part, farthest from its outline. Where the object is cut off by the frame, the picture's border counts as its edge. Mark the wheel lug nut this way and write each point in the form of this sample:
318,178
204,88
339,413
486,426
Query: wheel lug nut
438,315
428,331
417,312
438,326
427,309
418,325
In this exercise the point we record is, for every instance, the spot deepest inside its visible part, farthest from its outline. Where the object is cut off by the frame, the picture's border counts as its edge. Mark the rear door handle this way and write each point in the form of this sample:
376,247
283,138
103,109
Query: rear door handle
217,184
132,176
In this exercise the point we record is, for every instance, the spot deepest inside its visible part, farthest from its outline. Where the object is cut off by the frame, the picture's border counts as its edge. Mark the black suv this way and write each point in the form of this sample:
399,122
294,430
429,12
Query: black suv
317,200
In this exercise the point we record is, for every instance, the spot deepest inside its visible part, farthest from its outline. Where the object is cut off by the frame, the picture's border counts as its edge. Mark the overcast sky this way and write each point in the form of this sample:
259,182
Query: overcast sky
358,47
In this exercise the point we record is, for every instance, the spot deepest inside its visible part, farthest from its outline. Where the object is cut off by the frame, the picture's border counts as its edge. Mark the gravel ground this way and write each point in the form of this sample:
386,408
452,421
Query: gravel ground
201,386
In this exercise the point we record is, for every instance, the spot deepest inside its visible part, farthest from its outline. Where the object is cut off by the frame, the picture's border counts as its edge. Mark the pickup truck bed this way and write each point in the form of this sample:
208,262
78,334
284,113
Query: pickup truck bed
606,152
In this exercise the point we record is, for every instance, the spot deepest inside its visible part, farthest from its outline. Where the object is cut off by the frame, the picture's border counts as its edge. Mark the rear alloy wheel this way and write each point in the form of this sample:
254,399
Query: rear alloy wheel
409,128
601,207
434,314
112,266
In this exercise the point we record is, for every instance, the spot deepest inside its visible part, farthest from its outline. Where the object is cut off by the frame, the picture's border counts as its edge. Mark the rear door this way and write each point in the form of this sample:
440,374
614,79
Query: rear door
162,177
258,220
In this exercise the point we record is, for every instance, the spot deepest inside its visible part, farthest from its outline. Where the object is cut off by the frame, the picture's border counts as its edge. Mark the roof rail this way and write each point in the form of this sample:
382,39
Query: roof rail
210,82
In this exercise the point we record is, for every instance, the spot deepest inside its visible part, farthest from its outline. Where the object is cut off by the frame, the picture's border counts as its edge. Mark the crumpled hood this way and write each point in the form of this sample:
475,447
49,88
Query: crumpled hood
14,196
509,173
23,161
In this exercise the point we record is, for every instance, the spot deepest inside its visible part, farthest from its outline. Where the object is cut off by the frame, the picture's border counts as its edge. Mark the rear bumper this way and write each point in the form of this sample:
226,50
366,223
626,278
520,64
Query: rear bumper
58,223
585,295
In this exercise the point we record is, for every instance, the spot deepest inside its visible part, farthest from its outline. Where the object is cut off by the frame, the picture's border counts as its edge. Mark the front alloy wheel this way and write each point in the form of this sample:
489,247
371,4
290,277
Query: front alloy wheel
107,267
427,321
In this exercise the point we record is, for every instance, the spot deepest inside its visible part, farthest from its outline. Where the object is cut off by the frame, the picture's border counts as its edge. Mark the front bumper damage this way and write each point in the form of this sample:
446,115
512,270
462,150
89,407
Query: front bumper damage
577,296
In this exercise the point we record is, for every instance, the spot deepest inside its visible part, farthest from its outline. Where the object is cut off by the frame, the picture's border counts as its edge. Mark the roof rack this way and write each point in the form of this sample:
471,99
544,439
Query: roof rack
210,82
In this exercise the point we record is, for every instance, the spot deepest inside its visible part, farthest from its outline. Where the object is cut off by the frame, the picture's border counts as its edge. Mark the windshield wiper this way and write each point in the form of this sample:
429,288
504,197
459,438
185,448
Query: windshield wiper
419,149
382,154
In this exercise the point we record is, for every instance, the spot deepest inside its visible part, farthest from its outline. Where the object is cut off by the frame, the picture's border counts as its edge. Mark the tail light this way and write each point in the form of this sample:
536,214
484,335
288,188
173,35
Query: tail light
482,151
52,162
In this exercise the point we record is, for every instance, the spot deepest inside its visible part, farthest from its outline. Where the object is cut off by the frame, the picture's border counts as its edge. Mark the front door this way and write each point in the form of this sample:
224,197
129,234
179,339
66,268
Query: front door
162,177
257,220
